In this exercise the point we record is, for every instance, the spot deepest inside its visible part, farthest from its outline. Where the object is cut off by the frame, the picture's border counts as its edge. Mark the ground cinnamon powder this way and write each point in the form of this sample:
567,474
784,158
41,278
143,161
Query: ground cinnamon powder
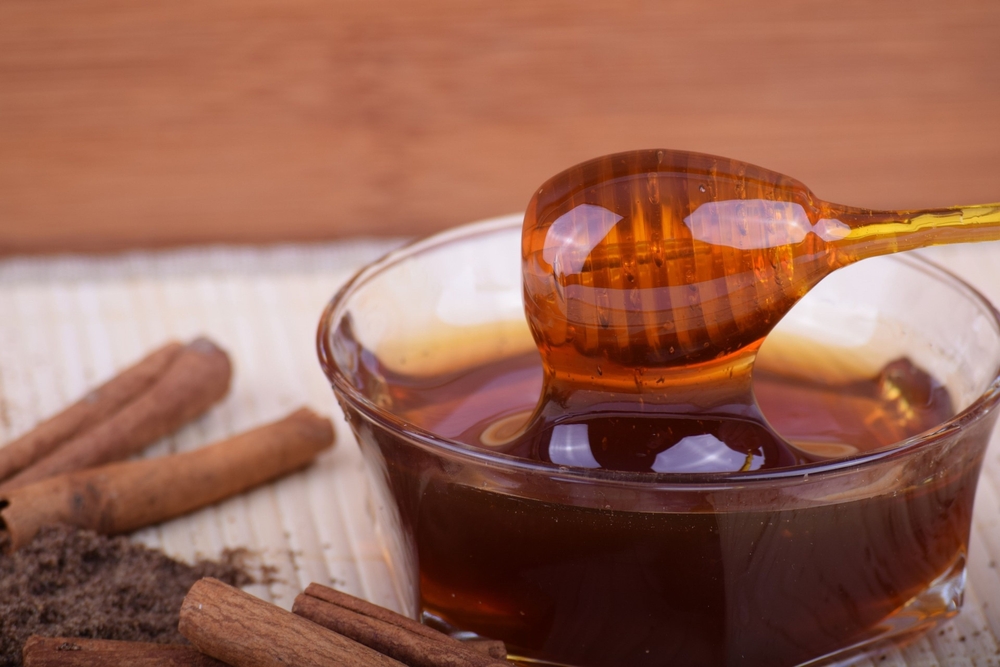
75,583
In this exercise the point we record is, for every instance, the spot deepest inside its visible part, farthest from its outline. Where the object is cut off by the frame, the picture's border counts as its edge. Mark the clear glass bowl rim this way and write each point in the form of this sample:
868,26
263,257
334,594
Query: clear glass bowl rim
437,445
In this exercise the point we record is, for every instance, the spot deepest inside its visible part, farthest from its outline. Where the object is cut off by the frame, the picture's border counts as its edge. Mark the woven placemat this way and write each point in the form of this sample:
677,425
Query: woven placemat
68,323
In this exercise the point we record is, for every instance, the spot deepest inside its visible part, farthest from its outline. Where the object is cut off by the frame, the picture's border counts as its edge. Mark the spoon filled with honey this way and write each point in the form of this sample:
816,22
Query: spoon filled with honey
652,277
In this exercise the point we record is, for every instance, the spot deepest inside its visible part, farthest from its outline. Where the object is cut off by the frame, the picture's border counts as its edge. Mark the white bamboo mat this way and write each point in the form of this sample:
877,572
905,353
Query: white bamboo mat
68,323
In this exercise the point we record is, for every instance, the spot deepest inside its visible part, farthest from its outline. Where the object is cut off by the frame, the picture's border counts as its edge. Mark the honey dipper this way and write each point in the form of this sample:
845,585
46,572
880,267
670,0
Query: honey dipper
652,277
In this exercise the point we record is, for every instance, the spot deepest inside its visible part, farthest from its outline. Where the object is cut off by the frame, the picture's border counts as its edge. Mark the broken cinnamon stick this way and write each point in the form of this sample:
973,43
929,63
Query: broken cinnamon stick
123,497
198,377
93,408
415,650
73,652
244,631
491,647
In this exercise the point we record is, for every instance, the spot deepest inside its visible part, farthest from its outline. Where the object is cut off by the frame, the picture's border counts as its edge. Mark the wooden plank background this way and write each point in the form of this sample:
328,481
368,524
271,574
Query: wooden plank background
125,123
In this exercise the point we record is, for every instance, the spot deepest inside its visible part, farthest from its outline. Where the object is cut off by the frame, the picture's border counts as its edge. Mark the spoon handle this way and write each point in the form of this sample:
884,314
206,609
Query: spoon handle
883,232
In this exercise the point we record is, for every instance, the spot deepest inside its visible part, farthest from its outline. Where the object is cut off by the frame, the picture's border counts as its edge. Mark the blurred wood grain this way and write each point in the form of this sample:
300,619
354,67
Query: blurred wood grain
128,124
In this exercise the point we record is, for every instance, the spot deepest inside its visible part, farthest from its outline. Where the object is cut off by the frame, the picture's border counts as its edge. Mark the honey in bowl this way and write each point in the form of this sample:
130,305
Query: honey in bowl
606,560
659,585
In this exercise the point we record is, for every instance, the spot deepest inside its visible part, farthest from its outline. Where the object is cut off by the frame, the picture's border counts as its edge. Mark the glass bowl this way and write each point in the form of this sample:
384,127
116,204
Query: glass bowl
589,568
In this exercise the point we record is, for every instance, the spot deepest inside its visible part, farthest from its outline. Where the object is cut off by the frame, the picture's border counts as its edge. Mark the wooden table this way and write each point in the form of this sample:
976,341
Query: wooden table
128,124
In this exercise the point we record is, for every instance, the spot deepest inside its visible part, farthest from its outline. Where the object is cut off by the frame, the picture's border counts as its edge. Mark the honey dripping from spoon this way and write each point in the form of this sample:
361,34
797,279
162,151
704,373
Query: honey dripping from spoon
650,281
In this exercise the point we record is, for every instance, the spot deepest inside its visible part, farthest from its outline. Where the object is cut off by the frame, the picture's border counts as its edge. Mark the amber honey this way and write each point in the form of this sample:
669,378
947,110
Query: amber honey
599,587
639,500
651,278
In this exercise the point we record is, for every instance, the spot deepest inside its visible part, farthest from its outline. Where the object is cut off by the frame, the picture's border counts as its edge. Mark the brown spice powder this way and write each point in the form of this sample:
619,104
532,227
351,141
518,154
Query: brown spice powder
75,583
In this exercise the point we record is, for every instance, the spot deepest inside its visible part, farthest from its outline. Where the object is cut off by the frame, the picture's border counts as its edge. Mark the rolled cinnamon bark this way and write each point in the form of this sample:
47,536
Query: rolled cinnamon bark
73,652
198,377
415,650
244,631
123,497
93,408
491,647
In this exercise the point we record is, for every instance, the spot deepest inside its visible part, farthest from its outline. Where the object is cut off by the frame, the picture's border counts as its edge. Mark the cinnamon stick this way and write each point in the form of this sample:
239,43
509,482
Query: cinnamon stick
122,497
244,631
73,652
93,408
198,377
491,647
415,650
